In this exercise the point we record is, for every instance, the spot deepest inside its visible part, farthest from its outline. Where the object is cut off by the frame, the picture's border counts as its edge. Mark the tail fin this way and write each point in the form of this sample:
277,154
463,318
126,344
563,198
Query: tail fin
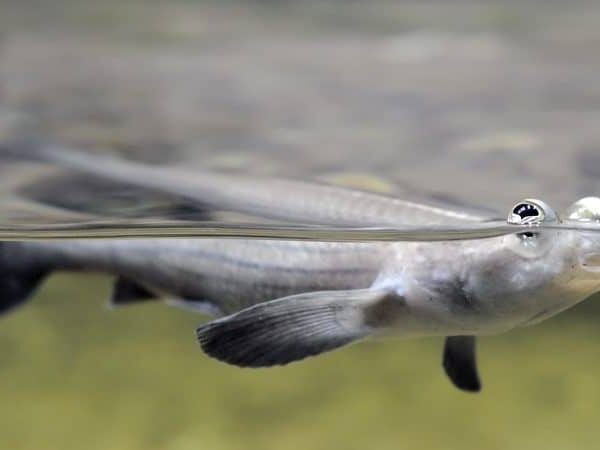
19,276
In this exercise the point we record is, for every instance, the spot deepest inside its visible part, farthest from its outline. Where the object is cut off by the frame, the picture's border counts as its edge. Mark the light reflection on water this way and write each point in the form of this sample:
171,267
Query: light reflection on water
42,204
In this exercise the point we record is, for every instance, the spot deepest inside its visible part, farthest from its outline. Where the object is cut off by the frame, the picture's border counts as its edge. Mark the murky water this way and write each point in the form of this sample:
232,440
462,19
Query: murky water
487,105
75,196
473,103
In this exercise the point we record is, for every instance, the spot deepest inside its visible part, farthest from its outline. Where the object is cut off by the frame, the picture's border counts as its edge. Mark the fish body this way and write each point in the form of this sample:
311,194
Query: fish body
455,289
227,274
449,288
282,301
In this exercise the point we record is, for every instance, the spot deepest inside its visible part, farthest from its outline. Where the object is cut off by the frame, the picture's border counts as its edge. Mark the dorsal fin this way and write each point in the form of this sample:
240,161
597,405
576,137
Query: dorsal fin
126,291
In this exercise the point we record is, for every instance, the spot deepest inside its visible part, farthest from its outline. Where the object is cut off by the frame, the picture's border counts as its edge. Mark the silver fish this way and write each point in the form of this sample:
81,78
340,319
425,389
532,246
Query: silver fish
457,289
282,301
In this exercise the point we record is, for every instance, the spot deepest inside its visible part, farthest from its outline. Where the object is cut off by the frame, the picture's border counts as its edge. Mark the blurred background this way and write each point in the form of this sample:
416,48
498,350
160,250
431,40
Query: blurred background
486,101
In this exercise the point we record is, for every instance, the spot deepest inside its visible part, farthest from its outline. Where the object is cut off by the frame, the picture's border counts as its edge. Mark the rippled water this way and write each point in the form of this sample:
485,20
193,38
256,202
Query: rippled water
46,205
50,200
487,105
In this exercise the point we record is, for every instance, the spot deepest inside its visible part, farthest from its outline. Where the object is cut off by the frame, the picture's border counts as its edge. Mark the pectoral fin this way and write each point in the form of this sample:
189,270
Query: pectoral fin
460,363
293,328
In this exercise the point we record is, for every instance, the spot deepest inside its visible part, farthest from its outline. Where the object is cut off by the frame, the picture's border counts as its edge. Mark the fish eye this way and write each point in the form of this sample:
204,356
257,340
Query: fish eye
584,210
531,212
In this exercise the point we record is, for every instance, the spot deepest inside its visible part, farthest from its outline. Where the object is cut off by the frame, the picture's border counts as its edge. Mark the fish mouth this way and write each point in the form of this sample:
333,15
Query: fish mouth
590,262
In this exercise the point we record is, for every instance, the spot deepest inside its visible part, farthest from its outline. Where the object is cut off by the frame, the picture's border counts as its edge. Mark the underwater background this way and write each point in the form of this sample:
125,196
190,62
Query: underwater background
487,102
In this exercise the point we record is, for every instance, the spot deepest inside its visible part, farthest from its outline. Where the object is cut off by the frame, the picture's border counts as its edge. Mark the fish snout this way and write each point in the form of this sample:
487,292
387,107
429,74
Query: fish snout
590,262
589,252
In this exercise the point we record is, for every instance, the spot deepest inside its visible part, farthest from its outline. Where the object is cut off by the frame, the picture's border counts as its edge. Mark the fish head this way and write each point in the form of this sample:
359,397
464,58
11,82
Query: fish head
530,260
534,271
571,252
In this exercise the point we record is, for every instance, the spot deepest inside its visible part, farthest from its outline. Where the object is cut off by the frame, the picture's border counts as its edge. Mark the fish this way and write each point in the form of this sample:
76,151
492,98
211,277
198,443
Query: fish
459,289
278,302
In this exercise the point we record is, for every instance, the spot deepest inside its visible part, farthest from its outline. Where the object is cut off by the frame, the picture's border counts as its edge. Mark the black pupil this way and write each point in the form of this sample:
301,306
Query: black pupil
526,210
